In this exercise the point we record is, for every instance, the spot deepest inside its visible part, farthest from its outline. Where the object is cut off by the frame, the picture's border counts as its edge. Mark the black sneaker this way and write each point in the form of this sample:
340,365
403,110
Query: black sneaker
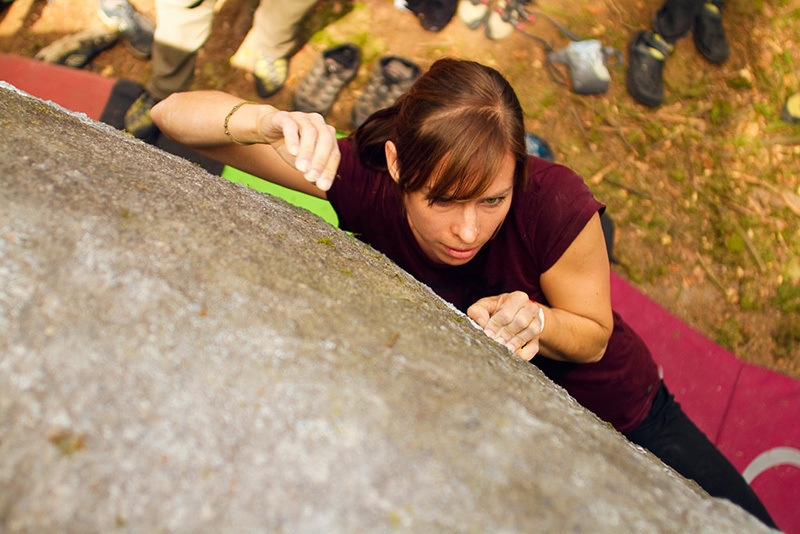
137,119
646,54
137,29
709,35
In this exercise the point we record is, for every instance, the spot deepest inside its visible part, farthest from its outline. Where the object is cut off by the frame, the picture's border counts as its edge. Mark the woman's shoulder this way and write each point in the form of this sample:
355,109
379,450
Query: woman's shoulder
553,175
554,192
549,182
551,211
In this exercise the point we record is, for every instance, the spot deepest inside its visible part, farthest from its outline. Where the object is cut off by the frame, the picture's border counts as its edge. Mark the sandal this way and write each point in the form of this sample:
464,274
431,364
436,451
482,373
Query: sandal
391,77
331,71
647,52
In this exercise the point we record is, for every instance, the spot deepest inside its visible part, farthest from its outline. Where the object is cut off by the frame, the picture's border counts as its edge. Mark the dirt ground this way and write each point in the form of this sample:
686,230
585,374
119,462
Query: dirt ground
704,191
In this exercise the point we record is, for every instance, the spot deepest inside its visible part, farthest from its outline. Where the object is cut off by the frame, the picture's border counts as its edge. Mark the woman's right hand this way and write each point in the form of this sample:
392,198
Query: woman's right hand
305,141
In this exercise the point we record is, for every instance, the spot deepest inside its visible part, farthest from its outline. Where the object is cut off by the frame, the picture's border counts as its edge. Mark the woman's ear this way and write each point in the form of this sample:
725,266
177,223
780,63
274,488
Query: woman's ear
391,160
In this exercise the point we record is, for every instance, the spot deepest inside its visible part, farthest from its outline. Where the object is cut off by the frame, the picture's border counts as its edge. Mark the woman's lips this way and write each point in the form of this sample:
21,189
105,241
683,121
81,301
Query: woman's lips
459,254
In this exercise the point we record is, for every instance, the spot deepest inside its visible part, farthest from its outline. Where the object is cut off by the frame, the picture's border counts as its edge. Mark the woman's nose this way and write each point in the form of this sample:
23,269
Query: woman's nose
466,227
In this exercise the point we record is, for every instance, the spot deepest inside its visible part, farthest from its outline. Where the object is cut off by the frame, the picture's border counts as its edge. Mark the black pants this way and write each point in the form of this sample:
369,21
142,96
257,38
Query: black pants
669,434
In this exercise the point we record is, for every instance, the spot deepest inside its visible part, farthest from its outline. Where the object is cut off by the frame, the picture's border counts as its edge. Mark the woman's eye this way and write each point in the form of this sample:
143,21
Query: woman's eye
494,201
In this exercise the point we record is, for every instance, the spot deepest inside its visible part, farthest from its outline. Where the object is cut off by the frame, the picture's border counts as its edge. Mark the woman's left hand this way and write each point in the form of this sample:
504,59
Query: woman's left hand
511,319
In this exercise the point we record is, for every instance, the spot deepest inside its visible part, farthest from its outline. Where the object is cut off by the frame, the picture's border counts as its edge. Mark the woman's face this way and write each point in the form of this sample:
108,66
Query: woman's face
453,232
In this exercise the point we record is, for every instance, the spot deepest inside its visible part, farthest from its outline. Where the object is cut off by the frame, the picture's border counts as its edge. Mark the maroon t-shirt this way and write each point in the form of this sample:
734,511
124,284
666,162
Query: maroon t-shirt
541,224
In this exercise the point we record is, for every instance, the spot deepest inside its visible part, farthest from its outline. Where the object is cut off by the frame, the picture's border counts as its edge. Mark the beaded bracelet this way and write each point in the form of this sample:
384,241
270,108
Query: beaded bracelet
228,117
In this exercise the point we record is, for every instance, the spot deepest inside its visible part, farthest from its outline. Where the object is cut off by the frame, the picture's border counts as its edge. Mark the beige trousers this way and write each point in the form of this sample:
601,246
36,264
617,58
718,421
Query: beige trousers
183,27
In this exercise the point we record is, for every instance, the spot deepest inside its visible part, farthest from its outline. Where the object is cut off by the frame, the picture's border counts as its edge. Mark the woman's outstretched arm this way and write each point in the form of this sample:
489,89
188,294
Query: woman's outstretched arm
293,149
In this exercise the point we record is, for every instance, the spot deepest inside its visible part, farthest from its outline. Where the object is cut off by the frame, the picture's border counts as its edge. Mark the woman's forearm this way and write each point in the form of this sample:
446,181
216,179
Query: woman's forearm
571,338
197,119
294,149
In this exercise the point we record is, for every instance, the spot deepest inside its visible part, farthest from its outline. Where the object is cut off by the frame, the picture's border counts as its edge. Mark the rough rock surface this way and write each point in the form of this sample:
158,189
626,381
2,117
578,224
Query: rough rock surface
181,354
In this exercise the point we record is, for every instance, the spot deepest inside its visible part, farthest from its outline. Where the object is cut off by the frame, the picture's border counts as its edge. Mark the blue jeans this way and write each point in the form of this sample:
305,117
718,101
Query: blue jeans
669,434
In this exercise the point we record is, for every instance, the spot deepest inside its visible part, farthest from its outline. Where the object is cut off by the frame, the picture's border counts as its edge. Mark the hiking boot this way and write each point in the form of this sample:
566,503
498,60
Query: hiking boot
331,71
646,54
137,29
709,35
391,77
791,109
271,74
137,119
78,49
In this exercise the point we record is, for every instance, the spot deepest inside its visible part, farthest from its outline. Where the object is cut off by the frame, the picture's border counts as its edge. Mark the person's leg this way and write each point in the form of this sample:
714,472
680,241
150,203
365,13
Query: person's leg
137,29
273,37
182,28
275,25
670,435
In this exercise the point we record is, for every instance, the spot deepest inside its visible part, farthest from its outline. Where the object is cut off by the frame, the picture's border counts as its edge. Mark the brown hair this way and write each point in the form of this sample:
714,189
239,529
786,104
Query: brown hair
452,130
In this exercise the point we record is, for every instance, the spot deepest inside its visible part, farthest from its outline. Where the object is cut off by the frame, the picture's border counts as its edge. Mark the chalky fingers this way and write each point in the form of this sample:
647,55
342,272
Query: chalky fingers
318,154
